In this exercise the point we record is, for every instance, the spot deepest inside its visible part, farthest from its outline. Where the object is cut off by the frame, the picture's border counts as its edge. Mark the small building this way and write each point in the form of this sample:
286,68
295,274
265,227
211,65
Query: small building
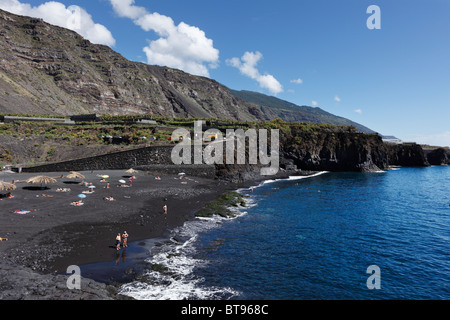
392,139
146,121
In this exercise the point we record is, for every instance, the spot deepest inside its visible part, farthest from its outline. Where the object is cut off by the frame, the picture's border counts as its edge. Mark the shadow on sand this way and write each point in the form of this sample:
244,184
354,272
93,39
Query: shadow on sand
35,188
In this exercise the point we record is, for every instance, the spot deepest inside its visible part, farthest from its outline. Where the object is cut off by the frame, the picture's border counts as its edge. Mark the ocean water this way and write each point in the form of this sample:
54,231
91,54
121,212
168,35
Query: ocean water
315,238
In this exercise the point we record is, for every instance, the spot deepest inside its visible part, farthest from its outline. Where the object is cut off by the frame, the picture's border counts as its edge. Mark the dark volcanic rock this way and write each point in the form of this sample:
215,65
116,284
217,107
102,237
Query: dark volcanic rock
334,151
438,156
21,283
408,155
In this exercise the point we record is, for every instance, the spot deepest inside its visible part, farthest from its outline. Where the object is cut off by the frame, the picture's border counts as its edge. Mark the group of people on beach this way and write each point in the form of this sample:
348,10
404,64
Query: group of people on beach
7,196
122,240
86,184
77,203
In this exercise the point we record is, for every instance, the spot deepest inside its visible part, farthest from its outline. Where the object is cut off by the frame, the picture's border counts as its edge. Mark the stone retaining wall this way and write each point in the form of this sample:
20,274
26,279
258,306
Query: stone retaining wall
155,158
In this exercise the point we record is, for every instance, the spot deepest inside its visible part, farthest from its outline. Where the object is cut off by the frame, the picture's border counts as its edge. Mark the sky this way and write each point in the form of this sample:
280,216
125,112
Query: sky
382,63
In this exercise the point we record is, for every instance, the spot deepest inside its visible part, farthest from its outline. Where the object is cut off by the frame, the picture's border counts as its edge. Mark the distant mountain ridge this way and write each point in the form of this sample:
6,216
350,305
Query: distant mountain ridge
45,69
293,112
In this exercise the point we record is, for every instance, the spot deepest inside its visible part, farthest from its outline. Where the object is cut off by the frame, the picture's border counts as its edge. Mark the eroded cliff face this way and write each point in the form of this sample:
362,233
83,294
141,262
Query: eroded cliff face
438,156
407,155
318,150
46,69
331,150
335,151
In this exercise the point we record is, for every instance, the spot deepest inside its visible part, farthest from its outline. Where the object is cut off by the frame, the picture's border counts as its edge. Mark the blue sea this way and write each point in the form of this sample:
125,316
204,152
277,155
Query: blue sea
315,238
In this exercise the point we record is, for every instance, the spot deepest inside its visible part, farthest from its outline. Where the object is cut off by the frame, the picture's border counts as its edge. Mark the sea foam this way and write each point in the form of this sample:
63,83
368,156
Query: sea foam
170,276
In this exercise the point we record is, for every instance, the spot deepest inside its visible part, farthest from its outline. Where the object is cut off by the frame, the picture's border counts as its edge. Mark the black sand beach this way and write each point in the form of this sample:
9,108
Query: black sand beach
54,234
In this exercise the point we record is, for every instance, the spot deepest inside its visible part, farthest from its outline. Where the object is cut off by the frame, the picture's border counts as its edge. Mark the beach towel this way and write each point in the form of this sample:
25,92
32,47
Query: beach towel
22,211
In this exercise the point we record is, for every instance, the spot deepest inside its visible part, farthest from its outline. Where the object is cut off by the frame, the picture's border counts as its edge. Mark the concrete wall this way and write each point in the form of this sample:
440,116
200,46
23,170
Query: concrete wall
154,158
9,119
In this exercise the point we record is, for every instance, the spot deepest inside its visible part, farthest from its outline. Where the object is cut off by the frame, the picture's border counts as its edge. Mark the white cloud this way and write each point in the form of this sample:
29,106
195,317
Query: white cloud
297,81
127,9
247,66
314,103
358,111
337,99
72,17
180,46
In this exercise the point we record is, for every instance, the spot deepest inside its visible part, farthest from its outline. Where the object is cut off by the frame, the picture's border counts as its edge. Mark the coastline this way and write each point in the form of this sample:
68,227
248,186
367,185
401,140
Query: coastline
43,243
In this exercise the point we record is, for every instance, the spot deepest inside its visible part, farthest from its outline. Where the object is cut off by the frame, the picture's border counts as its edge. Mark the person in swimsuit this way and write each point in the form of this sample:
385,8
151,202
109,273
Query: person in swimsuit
125,239
118,241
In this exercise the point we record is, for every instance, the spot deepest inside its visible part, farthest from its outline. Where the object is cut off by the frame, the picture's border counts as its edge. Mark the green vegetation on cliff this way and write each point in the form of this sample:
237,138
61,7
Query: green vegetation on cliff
222,204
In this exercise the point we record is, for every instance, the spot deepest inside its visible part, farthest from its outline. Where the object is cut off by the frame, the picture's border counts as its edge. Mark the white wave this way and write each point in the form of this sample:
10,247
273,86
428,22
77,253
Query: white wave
242,190
306,177
173,277
293,178
175,290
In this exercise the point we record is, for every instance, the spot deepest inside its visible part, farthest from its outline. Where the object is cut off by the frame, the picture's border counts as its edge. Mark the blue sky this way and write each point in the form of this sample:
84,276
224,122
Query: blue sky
394,80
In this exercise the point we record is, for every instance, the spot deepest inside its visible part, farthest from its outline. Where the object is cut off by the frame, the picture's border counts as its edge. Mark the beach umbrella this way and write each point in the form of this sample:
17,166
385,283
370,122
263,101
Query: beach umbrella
7,186
82,196
92,187
131,171
122,181
41,180
75,175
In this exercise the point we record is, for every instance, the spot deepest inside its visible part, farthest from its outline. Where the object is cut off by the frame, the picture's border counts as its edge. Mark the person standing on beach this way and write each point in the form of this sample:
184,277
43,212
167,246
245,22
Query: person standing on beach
125,239
165,208
118,241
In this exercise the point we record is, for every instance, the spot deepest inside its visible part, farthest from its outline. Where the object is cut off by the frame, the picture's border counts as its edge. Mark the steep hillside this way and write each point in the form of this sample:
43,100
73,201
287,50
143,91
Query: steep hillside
46,69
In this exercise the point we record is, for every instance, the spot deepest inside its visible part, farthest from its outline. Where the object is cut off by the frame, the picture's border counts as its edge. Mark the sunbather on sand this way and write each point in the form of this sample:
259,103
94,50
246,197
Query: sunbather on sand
3,239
